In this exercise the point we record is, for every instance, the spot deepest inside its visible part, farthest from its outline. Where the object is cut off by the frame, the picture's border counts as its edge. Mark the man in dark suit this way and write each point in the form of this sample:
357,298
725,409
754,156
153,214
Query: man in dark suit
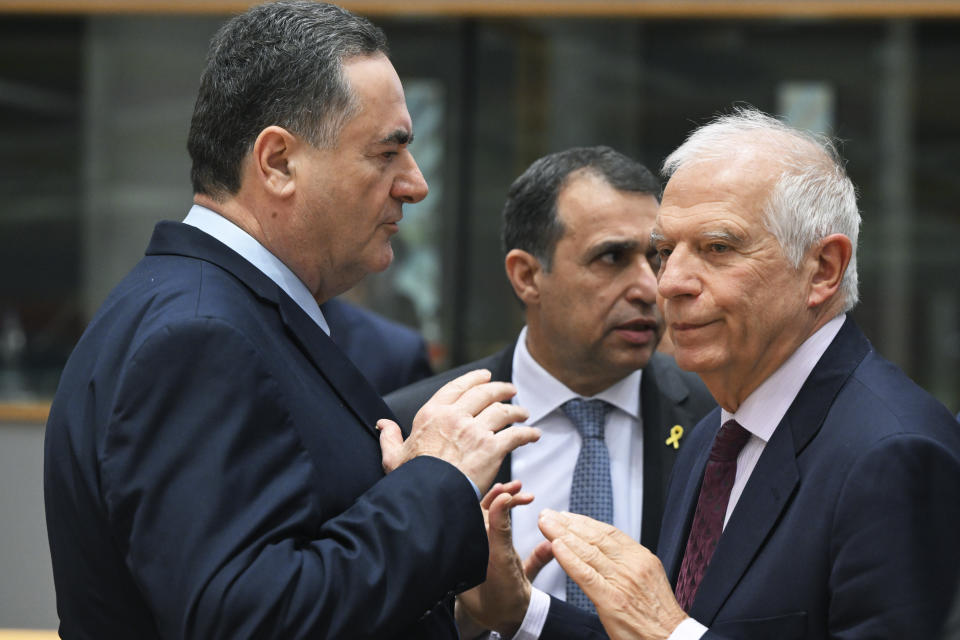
576,228
212,465
390,355
822,499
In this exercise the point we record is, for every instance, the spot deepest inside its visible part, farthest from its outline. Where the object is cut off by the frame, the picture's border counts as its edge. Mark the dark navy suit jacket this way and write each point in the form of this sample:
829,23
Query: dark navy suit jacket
212,471
847,527
389,354
668,396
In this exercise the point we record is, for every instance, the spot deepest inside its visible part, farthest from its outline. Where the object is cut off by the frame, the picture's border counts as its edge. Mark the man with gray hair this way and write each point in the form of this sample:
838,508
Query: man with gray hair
822,498
213,464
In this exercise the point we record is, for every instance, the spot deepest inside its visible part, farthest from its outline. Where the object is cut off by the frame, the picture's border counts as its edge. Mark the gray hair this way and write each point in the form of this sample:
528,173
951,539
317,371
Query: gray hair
280,63
812,197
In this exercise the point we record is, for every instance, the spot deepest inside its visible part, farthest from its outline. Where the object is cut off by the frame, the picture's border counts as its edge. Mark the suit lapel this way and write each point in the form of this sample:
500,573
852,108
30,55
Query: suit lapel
660,396
767,493
347,382
776,477
682,499
352,387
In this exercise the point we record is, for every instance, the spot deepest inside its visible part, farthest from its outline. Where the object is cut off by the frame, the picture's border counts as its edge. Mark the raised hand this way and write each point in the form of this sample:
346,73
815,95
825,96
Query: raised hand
466,423
623,578
500,603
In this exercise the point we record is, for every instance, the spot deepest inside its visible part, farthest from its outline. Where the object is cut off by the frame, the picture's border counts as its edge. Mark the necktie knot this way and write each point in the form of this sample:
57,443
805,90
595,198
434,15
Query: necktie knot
729,441
588,416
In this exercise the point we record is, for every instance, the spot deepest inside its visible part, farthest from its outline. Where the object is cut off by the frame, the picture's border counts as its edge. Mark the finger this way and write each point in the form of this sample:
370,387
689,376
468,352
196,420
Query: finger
511,487
516,436
580,571
499,415
552,524
501,505
604,536
450,392
480,396
500,517
538,559
589,553
391,444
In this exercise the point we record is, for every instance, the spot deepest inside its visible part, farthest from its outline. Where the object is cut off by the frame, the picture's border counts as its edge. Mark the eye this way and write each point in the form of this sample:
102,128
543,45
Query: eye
718,247
388,155
610,256
653,259
663,253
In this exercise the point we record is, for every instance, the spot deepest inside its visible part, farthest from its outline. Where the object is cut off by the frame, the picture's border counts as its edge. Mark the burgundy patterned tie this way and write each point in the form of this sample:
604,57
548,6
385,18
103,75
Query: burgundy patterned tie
711,508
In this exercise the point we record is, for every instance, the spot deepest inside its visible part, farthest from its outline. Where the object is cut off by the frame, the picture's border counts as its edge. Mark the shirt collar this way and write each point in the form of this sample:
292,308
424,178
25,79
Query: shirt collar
540,393
212,223
763,409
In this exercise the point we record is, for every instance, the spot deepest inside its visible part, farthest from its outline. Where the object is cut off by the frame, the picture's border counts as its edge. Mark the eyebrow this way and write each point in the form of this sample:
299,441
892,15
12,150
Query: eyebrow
397,136
613,245
721,234
724,234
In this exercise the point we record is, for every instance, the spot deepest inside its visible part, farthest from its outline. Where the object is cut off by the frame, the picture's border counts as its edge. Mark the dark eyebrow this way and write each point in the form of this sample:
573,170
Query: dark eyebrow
398,136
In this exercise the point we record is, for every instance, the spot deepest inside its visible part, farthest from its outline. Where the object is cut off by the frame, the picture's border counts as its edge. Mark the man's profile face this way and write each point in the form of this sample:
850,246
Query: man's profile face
733,303
597,312
355,191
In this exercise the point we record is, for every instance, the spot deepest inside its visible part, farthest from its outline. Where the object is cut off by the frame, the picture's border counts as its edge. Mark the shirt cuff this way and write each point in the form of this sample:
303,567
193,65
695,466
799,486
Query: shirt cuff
473,484
535,617
689,629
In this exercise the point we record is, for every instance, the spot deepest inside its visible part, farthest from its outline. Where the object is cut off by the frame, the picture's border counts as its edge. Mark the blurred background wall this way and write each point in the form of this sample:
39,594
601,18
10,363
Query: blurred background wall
96,96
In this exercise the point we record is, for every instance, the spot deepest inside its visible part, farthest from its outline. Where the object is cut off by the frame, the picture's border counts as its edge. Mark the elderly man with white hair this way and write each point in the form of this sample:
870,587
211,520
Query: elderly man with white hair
822,498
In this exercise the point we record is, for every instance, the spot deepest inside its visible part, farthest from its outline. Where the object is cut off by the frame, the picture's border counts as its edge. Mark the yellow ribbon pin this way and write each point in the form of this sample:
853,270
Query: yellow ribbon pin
676,432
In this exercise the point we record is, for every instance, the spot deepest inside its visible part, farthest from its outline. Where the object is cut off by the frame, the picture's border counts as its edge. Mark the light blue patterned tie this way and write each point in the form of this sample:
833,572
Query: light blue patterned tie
591,492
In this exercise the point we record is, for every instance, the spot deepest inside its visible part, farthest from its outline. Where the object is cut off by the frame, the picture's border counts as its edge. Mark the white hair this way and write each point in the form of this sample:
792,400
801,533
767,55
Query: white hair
812,197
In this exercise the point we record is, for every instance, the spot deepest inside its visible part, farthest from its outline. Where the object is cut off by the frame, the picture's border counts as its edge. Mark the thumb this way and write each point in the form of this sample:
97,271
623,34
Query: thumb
500,530
542,554
391,444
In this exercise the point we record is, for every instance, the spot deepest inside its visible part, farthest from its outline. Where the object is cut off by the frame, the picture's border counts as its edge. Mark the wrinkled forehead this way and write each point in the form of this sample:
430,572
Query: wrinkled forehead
740,183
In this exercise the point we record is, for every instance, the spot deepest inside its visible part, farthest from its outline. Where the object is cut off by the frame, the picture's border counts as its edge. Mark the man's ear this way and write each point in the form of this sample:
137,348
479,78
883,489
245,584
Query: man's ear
831,258
523,272
273,160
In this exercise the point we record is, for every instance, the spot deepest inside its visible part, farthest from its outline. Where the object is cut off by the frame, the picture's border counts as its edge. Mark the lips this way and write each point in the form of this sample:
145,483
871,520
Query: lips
681,328
639,331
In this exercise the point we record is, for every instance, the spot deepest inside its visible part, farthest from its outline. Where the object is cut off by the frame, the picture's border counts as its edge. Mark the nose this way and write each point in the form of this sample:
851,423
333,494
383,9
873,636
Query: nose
678,275
644,285
409,186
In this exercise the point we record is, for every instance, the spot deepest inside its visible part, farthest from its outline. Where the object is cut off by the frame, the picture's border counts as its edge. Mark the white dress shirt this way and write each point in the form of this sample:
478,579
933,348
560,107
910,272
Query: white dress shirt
759,414
213,224
546,467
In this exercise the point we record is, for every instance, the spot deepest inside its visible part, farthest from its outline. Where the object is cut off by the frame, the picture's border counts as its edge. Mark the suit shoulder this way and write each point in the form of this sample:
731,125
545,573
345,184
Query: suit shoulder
362,333
678,384
894,401
427,387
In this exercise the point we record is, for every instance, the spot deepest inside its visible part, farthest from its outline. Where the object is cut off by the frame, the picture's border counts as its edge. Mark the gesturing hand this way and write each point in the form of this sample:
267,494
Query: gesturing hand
500,603
624,579
465,423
